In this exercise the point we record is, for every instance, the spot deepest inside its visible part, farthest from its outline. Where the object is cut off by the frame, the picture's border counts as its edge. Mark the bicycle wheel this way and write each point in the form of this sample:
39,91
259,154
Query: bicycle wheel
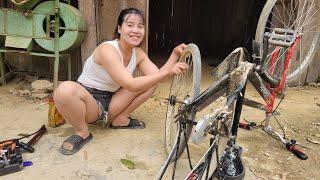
184,88
300,16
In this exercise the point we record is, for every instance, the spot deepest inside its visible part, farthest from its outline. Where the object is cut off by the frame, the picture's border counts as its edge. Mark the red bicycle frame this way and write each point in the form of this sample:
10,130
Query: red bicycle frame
275,90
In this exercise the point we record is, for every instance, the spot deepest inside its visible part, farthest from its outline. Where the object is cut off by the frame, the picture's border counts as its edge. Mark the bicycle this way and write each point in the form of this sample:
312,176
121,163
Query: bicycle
274,47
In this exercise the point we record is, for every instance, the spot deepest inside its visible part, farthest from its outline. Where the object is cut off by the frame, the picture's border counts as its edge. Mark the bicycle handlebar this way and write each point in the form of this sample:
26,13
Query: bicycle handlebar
293,148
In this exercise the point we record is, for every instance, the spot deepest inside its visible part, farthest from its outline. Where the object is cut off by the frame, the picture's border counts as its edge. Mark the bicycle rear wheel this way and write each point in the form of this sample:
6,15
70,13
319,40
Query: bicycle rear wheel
300,16
184,88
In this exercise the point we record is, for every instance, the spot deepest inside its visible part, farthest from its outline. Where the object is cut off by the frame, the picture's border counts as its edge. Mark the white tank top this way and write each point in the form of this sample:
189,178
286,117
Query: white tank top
96,76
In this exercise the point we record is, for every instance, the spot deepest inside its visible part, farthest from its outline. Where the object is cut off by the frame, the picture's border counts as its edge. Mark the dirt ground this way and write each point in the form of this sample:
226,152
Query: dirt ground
263,156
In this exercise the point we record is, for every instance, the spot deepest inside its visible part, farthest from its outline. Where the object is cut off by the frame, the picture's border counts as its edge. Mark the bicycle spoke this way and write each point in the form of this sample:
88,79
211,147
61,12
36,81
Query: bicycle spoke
308,22
271,25
272,66
298,20
279,57
308,12
278,18
313,27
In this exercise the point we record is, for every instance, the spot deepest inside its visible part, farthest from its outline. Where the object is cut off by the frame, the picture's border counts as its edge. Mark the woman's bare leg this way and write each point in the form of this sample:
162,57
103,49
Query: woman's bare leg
123,103
77,106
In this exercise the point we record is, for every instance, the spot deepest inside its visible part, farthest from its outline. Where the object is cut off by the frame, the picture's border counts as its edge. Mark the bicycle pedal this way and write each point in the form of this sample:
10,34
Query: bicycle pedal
282,37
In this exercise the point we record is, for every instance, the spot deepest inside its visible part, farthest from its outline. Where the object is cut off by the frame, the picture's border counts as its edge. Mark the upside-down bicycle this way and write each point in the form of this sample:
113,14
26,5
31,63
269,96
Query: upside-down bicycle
281,52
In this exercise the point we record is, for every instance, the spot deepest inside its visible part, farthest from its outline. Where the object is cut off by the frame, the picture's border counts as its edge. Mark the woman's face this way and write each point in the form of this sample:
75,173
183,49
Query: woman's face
132,30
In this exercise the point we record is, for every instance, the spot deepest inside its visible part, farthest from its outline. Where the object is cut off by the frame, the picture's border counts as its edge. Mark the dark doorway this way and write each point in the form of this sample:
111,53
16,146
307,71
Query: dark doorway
217,27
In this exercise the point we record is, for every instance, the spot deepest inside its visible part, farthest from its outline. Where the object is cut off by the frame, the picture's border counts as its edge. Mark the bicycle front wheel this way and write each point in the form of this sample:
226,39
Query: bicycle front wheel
299,16
184,88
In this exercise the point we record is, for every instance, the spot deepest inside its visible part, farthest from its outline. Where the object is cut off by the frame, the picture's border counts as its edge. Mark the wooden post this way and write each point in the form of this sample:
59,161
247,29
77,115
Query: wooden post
88,9
143,5
2,69
147,27
108,13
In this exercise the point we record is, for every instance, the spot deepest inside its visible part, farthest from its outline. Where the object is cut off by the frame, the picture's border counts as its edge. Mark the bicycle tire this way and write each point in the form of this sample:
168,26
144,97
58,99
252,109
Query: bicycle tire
182,82
271,10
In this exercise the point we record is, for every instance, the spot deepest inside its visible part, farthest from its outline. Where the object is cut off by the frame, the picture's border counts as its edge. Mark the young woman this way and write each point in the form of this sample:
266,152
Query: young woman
106,89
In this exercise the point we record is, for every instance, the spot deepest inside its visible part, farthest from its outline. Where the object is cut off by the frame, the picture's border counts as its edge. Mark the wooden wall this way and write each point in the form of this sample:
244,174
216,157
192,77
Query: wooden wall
313,72
217,27
101,16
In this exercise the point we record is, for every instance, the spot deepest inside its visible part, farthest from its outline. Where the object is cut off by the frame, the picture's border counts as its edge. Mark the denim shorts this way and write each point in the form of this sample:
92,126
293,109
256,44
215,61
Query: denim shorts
103,99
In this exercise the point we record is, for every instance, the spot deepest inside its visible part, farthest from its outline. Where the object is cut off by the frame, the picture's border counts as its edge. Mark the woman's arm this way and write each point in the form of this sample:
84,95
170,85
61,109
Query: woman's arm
109,58
148,67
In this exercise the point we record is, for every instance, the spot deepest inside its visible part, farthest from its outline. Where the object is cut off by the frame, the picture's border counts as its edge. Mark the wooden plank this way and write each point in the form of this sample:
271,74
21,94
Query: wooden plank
313,72
108,13
143,6
87,8
146,44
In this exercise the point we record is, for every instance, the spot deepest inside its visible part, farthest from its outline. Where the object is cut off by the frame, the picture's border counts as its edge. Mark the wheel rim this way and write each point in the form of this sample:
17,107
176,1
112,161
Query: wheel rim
299,16
183,89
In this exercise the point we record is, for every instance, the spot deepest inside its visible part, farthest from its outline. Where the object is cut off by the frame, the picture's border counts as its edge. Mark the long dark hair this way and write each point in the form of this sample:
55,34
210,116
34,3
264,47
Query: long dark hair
121,19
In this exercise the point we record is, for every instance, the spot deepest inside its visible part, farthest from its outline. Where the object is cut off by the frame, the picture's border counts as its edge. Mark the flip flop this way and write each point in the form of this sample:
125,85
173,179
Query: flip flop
77,142
133,124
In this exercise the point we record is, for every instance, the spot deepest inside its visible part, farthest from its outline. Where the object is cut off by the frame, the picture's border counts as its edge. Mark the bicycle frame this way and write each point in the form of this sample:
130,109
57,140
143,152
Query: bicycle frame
251,71
269,92
210,95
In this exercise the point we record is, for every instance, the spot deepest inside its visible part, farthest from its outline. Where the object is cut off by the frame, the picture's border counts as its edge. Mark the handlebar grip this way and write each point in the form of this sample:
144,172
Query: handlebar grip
296,151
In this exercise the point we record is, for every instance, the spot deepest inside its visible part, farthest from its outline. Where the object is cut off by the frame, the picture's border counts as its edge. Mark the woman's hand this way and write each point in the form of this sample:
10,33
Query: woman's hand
178,68
174,57
177,51
172,67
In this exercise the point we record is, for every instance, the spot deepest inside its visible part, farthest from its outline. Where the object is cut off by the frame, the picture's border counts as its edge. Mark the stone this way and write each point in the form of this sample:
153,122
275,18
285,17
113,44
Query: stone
42,85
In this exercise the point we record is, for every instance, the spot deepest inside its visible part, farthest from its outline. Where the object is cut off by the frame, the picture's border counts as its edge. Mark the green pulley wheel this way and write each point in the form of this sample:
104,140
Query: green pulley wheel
72,28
